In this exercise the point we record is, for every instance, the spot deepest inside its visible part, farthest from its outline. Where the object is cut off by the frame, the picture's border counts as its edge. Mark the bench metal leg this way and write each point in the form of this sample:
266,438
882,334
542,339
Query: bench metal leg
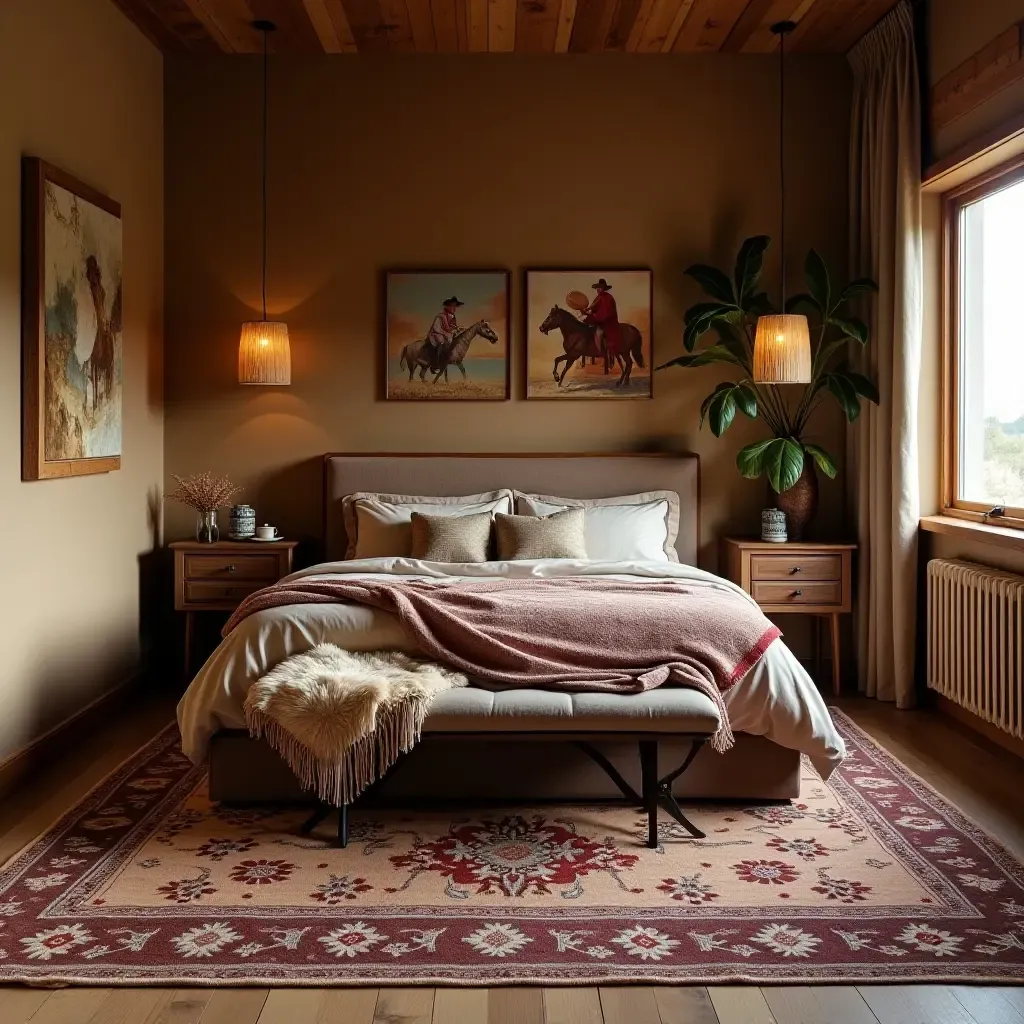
612,772
322,812
658,791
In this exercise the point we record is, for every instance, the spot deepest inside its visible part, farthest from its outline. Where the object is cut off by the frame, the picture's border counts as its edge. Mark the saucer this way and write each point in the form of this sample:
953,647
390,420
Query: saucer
266,540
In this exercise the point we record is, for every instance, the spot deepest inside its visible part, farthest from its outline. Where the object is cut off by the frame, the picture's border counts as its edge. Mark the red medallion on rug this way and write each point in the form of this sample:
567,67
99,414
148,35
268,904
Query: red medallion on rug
871,877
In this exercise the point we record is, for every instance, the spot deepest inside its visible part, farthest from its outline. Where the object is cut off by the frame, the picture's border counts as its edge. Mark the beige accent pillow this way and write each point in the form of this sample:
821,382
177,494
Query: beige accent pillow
379,525
451,538
560,535
631,527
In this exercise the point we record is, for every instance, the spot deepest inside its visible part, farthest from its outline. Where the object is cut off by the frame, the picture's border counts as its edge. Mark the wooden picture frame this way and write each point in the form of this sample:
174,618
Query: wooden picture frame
412,299
553,373
71,256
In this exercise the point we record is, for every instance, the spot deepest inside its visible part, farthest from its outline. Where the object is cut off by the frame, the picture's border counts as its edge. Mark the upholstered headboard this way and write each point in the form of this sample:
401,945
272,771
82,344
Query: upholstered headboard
567,476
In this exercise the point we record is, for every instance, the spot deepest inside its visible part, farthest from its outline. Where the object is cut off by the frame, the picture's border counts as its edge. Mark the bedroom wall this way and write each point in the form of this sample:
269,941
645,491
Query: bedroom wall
395,162
90,101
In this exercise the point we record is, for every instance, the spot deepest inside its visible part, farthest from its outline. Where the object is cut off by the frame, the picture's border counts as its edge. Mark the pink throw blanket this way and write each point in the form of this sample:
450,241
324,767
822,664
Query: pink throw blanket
575,634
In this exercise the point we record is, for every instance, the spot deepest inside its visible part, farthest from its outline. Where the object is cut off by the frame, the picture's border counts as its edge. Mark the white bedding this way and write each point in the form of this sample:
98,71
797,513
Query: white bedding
776,699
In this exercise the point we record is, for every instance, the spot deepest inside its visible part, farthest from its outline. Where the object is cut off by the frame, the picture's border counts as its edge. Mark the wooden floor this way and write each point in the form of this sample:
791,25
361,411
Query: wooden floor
987,784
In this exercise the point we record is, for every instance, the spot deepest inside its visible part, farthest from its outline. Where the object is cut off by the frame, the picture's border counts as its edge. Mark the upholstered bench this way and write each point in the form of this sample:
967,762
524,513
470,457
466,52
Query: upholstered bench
583,719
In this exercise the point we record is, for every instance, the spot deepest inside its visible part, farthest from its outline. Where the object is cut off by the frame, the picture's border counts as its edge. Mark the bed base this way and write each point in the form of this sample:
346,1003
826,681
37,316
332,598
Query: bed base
657,792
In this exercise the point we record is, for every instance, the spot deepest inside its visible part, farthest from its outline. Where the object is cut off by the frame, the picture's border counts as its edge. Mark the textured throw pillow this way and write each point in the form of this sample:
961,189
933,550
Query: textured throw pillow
630,528
556,536
451,538
379,525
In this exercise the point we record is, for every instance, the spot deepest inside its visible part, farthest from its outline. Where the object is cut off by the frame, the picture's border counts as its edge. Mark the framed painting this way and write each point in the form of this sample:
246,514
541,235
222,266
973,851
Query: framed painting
447,336
589,334
71,326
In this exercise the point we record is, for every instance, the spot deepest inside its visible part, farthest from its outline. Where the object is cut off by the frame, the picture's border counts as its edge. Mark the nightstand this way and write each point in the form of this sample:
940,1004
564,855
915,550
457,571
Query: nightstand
810,579
215,577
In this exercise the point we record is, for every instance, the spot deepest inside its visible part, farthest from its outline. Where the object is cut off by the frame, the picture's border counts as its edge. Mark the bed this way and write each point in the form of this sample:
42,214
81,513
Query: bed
775,710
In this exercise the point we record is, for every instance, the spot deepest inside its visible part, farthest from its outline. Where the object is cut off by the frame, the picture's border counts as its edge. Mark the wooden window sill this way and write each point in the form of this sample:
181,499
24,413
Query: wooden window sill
982,533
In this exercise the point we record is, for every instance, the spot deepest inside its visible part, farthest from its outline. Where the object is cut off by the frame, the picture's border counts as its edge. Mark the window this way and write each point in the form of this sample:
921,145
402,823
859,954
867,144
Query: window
983,433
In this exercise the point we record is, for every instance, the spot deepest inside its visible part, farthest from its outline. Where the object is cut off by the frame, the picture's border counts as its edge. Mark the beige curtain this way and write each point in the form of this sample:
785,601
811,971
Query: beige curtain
886,243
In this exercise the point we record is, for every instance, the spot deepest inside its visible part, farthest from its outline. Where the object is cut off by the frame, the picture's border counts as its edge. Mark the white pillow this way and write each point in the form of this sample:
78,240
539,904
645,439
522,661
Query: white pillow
380,525
630,528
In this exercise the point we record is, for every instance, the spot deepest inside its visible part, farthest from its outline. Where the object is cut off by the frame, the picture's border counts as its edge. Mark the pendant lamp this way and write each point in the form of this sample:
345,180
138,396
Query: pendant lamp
782,344
264,355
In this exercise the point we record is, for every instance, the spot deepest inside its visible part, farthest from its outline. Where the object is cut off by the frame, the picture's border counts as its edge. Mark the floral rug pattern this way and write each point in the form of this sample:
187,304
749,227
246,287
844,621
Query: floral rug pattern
870,876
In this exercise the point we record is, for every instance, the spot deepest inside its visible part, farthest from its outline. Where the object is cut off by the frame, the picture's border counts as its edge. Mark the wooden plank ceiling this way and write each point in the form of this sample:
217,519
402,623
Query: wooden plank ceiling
496,26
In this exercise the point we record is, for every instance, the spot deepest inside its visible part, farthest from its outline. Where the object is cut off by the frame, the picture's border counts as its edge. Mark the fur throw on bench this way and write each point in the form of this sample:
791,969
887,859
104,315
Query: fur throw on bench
340,719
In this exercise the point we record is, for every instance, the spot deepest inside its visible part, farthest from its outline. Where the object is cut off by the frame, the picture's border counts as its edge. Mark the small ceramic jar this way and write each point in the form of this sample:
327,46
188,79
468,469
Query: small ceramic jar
773,526
242,522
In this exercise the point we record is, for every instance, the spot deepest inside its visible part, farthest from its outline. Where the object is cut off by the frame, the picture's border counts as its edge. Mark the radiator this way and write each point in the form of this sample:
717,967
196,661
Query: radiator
976,640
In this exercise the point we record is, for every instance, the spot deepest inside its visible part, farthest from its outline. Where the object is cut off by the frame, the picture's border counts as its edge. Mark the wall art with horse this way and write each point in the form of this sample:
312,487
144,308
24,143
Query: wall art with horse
588,334
71,326
447,336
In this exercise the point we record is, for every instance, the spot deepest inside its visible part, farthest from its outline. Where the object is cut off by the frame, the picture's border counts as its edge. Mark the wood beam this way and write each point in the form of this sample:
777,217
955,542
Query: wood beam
980,77
445,21
331,25
399,28
753,34
368,25
536,25
566,19
708,26
295,32
593,23
476,25
501,26
229,22
659,32
626,14
421,23
182,24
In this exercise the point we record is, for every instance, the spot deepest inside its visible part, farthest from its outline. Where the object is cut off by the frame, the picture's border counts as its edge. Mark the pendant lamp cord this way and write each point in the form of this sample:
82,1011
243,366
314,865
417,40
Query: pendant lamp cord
782,159
265,70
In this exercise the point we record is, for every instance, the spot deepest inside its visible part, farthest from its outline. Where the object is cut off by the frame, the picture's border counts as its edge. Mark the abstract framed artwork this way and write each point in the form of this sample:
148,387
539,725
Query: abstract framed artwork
589,334
447,335
71,326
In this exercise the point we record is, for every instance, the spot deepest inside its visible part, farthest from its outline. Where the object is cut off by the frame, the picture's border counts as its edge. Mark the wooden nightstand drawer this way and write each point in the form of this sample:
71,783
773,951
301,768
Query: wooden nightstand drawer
233,567
225,594
767,593
786,566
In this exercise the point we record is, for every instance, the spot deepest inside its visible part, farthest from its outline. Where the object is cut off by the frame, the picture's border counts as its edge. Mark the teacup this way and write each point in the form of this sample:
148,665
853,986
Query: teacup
267,532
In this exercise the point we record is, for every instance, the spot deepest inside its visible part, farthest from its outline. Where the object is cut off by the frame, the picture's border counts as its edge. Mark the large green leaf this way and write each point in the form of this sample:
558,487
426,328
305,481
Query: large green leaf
748,266
745,398
851,328
759,305
706,404
783,462
817,280
845,394
734,339
858,287
864,386
699,319
825,461
802,301
721,412
711,354
713,281
750,459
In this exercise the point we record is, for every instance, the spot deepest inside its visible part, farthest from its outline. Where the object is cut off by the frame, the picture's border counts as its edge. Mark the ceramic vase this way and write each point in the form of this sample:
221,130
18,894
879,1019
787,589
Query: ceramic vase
800,502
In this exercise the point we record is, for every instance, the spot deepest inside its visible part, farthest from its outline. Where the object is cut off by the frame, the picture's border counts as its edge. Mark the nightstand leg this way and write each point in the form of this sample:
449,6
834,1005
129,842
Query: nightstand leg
836,682
816,647
189,629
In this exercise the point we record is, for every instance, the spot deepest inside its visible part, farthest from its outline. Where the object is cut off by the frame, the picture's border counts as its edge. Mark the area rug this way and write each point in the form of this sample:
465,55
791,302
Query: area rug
871,876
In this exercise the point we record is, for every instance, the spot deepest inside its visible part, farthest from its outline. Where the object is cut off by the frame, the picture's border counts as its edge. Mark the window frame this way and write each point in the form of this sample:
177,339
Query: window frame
953,204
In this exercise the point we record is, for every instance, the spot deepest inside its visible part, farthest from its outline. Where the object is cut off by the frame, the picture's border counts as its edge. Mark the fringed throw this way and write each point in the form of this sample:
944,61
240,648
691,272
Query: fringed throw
340,719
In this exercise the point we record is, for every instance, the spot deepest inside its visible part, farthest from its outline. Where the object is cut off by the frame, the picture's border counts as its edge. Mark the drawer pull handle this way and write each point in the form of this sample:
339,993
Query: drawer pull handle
795,570
797,593
231,568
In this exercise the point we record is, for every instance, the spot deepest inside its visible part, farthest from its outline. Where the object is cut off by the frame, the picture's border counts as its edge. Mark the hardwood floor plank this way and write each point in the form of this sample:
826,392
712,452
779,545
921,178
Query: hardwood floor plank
186,1006
235,1006
132,1006
916,1004
291,1006
991,1004
629,1005
843,1004
460,1005
572,1006
799,1004
70,1006
347,1006
404,1006
515,1006
691,1005
20,1003
735,1004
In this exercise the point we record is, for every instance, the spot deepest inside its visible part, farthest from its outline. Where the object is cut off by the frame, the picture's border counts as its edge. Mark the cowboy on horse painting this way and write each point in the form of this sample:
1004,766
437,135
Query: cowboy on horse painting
603,315
442,330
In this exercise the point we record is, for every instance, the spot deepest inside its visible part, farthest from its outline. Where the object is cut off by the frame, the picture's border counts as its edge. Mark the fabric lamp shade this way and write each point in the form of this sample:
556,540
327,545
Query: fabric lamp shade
782,350
264,355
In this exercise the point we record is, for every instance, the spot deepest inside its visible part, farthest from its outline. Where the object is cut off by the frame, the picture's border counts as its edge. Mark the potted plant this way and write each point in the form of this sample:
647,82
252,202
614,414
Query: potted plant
204,493
787,458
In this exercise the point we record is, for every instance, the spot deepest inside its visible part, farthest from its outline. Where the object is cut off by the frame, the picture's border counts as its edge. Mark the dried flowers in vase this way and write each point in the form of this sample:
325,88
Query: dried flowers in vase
205,493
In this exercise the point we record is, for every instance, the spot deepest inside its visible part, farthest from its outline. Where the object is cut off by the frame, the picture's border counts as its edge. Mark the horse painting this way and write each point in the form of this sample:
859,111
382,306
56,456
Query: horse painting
420,355
579,341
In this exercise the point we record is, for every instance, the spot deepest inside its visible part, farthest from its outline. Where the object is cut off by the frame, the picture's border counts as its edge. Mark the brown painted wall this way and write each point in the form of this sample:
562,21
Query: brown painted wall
467,162
958,30
80,87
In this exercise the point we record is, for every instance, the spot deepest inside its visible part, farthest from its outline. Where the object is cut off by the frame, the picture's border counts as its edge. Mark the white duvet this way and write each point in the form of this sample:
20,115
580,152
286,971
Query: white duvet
776,699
